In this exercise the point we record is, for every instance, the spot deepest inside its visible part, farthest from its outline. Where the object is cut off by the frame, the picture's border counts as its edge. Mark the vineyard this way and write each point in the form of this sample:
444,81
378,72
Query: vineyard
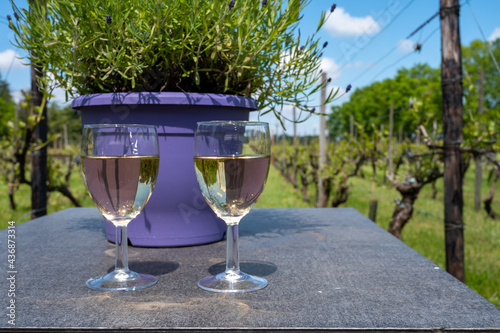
408,168
359,173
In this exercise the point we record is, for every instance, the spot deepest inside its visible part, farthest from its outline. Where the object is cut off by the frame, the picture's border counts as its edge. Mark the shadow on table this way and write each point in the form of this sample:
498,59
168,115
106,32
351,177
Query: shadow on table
89,224
273,221
259,268
155,268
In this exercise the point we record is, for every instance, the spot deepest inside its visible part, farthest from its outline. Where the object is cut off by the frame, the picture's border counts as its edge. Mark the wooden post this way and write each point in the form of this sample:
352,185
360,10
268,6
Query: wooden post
65,135
39,156
417,133
273,150
391,128
16,117
322,143
283,142
277,126
295,142
451,85
372,215
351,126
477,159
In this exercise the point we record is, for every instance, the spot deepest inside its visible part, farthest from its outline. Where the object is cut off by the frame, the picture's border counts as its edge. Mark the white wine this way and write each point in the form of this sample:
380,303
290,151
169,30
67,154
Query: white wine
231,185
120,186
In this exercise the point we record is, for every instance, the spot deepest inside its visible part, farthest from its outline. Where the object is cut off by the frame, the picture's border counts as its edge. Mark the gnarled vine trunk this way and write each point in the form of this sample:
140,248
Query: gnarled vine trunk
489,199
409,191
404,209
305,183
341,193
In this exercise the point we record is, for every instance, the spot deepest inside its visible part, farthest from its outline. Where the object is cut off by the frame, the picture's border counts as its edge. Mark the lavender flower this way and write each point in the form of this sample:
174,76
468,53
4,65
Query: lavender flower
302,48
16,16
10,22
108,19
329,80
325,45
348,88
333,8
264,2
231,4
313,110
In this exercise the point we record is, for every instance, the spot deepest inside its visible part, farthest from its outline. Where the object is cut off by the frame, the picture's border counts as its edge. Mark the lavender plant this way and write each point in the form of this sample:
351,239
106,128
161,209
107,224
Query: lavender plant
251,48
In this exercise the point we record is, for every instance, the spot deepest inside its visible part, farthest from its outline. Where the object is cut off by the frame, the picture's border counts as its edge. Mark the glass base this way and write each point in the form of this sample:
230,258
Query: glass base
122,280
232,283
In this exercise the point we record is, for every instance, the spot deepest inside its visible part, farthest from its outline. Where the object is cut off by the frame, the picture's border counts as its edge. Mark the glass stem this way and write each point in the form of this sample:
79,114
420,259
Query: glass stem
121,249
232,261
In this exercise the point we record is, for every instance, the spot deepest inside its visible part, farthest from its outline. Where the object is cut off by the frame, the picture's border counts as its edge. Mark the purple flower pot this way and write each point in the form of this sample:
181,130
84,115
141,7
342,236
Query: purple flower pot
176,214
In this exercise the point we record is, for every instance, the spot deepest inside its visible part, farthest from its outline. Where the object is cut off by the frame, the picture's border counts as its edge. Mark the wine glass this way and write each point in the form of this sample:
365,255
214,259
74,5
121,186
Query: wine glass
231,161
120,166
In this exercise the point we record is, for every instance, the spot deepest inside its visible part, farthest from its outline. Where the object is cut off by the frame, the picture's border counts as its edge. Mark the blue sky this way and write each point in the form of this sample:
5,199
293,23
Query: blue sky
367,40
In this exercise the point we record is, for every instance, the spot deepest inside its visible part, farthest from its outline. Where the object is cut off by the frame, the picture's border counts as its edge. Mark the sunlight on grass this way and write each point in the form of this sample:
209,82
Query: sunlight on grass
56,201
280,194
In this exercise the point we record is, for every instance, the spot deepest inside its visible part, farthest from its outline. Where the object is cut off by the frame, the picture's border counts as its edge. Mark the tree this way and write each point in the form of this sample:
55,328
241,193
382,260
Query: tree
7,107
370,104
421,83
482,109
476,57
16,146
481,130
61,117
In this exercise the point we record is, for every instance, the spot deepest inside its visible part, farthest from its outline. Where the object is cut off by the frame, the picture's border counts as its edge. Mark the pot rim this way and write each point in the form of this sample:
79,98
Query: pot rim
164,98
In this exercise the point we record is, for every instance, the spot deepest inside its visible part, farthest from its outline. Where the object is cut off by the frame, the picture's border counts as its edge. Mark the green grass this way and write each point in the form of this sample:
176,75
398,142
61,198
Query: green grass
280,194
56,201
424,232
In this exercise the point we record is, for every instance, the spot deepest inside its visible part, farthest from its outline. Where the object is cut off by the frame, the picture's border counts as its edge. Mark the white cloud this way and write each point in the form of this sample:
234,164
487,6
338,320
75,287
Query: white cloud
10,59
406,46
342,23
58,94
330,67
333,71
17,96
59,97
494,35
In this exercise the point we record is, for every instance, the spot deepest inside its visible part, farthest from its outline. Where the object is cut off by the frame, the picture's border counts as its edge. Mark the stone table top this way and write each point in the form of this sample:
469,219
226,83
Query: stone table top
328,269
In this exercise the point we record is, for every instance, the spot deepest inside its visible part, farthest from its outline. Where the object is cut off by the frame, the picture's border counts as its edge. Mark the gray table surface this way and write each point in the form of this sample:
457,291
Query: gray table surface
328,269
